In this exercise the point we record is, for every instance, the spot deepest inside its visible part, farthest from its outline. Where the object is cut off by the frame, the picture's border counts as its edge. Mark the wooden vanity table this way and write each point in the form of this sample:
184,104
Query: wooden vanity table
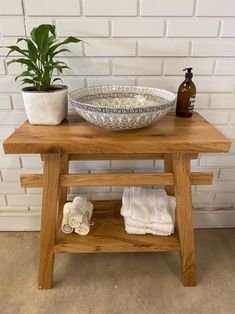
173,139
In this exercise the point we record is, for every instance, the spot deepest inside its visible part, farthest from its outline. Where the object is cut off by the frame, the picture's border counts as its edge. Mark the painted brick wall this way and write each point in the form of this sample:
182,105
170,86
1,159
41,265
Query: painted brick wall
145,42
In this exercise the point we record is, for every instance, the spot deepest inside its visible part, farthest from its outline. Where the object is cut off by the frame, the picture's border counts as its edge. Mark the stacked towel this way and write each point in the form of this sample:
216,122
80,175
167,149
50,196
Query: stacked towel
77,215
148,211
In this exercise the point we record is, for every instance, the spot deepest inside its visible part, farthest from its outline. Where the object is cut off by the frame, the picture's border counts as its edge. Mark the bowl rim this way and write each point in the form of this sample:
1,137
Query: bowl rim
135,109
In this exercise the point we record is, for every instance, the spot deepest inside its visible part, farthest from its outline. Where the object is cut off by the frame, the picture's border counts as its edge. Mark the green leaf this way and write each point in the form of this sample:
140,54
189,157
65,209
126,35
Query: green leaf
39,56
57,79
68,40
40,35
25,73
28,81
60,69
19,40
16,49
60,66
59,51
22,61
59,62
32,50
41,29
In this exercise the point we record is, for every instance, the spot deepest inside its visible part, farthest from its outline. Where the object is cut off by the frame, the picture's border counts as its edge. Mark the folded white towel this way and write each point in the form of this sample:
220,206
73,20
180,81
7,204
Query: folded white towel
80,206
150,228
148,211
84,227
65,226
146,205
134,230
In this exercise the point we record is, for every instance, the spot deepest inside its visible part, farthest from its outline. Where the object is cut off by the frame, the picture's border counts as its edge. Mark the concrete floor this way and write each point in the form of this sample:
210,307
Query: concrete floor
118,283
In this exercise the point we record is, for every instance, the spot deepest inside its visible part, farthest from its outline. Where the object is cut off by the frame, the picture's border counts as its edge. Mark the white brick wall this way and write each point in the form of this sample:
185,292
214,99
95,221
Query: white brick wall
2,200
174,66
166,7
164,47
216,117
138,28
52,7
228,29
232,120
11,7
82,28
5,102
91,66
228,131
216,8
223,101
111,47
29,161
225,67
2,67
137,66
213,48
110,7
189,27
227,174
30,23
144,42
13,26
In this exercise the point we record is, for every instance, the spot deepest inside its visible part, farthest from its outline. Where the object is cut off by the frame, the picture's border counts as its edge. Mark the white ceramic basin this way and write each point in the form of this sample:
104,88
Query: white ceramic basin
122,107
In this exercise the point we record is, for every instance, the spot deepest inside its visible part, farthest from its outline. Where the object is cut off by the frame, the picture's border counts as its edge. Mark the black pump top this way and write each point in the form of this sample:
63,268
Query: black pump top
188,74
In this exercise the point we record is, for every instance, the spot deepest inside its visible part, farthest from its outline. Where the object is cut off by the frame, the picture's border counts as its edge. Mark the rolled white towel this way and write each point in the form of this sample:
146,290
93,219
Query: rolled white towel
65,226
89,209
75,217
84,227
80,202
79,207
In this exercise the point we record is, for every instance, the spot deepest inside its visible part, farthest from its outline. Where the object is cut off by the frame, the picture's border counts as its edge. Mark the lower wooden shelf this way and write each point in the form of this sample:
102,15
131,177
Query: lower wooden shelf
108,235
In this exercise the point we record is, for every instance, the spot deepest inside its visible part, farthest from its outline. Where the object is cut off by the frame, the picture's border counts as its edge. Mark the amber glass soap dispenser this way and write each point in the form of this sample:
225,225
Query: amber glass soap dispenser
186,96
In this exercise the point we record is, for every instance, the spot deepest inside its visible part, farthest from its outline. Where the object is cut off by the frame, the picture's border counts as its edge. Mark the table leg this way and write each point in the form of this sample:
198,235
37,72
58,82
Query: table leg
183,194
51,172
62,190
168,167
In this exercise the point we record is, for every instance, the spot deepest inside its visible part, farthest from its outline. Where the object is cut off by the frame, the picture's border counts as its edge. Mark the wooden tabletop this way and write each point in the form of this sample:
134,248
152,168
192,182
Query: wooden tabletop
75,135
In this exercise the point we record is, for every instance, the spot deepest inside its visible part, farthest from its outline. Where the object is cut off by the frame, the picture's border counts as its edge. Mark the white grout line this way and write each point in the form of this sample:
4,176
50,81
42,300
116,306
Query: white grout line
24,15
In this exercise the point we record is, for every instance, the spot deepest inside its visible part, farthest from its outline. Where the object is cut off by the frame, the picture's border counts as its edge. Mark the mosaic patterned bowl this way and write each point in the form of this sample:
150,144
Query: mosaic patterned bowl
122,107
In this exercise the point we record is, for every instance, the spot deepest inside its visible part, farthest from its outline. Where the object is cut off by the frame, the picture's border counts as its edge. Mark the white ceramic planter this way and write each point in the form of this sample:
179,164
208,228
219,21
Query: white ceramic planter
48,108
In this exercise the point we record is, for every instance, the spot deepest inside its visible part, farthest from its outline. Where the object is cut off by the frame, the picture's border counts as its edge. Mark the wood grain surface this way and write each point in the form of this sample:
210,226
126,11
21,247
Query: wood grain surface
184,220
174,139
168,167
51,170
108,235
63,190
115,179
75,135
128,156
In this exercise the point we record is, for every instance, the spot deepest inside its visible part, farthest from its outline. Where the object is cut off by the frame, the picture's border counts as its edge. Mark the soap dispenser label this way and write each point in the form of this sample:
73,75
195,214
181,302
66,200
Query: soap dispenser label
191,103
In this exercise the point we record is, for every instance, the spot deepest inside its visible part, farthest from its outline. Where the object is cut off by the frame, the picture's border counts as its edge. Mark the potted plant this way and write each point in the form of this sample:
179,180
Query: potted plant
45,102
